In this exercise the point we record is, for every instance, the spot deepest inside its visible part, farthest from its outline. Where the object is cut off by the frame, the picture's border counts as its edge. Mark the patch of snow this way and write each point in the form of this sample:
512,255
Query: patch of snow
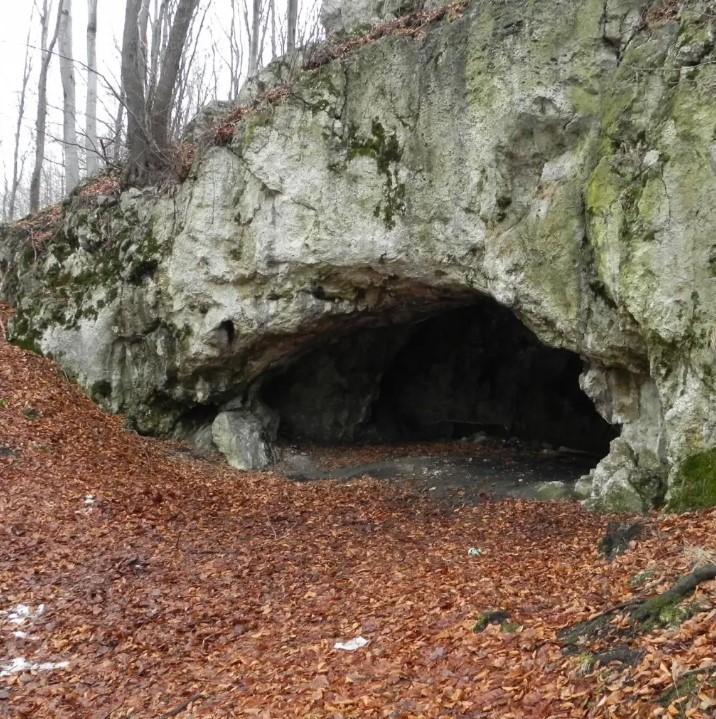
20,664
22,613
351,645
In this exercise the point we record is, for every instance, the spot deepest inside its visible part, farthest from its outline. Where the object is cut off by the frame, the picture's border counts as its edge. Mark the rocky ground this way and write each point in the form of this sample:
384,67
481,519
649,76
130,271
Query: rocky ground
137,580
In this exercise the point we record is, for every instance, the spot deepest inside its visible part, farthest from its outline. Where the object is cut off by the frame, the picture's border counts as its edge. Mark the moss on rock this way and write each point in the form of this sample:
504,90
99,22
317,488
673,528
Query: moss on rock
385,149
694,486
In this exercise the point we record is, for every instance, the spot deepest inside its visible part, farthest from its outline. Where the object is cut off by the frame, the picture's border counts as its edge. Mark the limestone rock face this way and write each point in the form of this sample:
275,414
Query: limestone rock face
567,170
343,17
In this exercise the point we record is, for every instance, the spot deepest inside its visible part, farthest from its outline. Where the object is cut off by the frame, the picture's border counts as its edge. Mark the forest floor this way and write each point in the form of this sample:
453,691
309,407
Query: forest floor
139,581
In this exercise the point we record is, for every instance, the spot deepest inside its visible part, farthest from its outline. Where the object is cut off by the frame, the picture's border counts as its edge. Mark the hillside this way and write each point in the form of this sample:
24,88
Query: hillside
167,578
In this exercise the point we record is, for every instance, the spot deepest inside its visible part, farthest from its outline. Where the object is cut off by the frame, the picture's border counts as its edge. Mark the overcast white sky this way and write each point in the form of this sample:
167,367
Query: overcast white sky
13,42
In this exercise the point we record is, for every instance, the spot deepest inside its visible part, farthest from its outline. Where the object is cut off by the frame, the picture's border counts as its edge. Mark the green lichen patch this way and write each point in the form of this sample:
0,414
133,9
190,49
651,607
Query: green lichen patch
492,617
81,270
641,578
683,690
694,486
675,614
509,627
385,149
25,333
586,662
30,413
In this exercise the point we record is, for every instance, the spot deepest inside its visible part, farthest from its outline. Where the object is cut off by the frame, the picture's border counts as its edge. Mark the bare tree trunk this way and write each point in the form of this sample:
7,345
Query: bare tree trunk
91,149
41,120
69,105
292,21
158,31
5,195
191,91
162,101
118,126
137,136
235,54
143,61
254,38
9,211
147,142
272,12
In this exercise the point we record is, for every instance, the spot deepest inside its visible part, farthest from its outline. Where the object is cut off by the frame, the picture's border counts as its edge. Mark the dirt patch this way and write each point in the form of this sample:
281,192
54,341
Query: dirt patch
464,472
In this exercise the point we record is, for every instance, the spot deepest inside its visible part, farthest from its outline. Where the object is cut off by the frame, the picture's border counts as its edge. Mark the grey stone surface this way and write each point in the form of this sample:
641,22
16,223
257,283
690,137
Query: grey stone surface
343,17
553,491
583,487
243,439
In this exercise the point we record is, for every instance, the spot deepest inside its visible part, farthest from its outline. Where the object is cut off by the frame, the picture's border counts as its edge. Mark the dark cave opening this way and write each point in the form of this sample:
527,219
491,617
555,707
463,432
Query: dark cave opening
476,368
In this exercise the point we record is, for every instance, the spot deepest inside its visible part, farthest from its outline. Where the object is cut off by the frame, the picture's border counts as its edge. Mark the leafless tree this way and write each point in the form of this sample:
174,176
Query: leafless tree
235,56
194,83
91,146
53,176
46,49
69,104
272,13
149,112
253,30
11,195
307,28
291,22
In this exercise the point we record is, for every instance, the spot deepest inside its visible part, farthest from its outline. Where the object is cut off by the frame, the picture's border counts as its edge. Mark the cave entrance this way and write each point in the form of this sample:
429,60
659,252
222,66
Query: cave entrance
452,375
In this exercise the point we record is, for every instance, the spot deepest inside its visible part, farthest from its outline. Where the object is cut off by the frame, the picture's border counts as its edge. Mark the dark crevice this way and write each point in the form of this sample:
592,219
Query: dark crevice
227,328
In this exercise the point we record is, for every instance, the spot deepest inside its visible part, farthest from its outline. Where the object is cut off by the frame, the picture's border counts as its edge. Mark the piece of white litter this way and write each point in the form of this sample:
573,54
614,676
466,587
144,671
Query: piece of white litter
20,664
20,635
90,499
475,552
351,645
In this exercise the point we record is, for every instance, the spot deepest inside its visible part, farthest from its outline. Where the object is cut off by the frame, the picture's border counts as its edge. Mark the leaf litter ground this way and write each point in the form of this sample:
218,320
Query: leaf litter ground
175,586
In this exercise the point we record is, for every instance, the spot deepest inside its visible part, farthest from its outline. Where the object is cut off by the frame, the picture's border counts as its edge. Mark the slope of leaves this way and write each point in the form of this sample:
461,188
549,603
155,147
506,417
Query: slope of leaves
181,587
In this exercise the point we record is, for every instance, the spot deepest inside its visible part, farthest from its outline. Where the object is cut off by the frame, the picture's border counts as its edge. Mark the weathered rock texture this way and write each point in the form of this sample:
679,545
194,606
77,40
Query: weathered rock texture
565,169
346,17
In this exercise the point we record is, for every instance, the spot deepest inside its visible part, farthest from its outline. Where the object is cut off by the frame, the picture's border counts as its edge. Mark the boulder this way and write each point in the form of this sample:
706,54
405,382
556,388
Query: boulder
243,439
553,491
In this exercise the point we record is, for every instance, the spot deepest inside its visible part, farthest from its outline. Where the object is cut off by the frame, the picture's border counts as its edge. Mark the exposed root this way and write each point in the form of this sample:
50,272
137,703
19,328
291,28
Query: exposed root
684,587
